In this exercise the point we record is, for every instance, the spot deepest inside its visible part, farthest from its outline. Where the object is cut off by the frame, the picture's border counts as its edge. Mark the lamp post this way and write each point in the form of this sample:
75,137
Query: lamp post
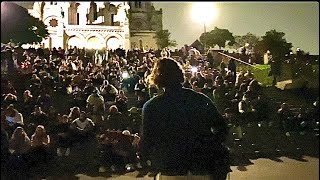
204,12
204,41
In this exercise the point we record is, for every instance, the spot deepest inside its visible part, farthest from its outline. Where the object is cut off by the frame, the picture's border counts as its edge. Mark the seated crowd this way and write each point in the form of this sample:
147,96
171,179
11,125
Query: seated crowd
58,101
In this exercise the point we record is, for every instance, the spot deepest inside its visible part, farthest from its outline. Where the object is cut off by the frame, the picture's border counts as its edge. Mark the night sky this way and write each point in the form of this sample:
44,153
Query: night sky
298,20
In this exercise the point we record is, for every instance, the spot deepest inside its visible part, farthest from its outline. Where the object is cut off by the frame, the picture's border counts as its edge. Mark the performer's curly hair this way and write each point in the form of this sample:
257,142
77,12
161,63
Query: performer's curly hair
166,73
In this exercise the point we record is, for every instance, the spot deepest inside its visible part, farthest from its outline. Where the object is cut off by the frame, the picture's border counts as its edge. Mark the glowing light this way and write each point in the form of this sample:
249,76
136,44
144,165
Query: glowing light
194,69
125,75
204,12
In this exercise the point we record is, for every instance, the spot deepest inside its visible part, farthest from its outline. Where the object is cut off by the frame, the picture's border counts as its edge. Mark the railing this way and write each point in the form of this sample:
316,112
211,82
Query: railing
243,62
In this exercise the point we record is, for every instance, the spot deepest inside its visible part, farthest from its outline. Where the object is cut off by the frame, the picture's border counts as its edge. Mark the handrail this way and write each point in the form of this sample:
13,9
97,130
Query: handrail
238,60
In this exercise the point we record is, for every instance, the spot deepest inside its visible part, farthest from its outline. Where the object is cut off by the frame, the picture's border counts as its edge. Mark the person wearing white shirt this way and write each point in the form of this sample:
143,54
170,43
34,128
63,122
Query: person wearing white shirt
82,128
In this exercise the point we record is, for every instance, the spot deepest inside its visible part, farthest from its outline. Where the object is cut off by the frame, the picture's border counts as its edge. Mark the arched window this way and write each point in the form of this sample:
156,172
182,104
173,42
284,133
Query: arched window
75,41
113,43
94,43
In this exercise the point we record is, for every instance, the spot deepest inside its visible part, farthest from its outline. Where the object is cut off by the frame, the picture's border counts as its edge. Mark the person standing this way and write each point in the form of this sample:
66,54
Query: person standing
233,68
182,131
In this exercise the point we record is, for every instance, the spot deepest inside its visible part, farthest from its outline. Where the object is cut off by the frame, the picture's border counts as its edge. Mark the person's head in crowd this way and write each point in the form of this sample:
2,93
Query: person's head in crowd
167,73
113,109
164,53
284,107
141,81
10,97
89,82
245,97
121,93
10,111
316,103
126,132
35,77
74,113
199,75
105,83
64,119
249,88
83,116
195,86
207,76
40,131
230,85
96,91
249,75
228,113
206,86
136,139
37,109
229,73
52,110
9,84
243,87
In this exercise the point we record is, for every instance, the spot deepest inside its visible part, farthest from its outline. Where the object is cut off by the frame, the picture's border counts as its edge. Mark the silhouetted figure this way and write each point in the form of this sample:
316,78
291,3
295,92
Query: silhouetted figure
182,129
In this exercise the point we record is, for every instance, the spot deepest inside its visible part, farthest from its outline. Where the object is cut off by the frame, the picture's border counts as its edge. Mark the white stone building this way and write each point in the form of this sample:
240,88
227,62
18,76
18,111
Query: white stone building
84,24
98,25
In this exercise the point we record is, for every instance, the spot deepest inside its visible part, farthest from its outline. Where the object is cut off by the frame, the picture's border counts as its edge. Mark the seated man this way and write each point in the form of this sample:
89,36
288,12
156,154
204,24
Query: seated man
82,128
37,117
62,136
246,109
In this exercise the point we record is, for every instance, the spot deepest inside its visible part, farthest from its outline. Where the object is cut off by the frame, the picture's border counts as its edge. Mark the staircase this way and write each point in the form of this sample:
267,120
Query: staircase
295,98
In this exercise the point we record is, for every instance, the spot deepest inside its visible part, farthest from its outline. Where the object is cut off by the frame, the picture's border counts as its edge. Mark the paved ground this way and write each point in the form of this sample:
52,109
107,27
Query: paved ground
281,169
262,169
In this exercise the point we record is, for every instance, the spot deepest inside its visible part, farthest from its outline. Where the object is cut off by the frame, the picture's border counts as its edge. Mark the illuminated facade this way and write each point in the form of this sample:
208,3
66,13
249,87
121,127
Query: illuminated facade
144,22
99,25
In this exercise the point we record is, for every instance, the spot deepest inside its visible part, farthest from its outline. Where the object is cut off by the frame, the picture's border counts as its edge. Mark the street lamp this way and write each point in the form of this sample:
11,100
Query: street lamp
204,12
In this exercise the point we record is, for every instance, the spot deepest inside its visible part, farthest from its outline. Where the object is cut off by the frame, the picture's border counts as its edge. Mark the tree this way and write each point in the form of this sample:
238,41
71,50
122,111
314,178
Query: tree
18,26
274,42
197,44
163,39
219,37
249,38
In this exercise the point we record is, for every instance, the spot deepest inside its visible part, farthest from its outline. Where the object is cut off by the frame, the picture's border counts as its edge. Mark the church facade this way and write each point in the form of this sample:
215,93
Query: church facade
99,25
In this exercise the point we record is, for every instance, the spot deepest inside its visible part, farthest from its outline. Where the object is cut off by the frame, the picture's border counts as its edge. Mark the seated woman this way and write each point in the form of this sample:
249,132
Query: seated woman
19,146
13,118
40,142
20,142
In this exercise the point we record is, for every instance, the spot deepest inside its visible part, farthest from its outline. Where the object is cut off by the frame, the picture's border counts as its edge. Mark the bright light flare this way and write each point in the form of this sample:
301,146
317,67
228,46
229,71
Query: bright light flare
204,12
125,75
194,69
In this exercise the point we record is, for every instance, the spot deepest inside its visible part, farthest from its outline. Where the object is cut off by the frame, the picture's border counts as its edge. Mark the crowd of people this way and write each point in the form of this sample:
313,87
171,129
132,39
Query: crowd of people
55,100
